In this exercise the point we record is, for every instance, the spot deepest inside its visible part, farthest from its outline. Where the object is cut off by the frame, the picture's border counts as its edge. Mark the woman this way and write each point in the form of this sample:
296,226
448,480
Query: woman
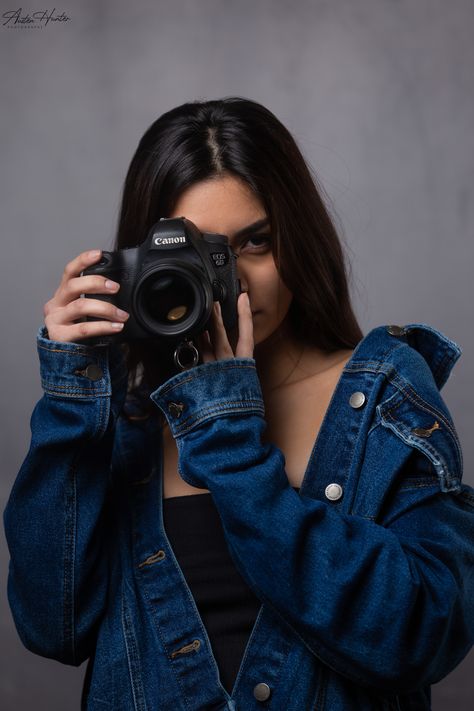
282,525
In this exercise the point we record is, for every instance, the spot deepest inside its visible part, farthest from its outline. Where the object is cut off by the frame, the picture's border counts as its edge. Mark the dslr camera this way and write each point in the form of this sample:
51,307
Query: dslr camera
169,284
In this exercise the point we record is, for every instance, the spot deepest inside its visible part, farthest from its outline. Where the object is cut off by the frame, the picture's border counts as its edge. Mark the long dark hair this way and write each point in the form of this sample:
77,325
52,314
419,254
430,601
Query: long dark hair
204,139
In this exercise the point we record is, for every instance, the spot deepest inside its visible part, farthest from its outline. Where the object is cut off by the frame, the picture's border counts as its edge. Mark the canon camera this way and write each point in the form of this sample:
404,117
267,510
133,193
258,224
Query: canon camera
169,283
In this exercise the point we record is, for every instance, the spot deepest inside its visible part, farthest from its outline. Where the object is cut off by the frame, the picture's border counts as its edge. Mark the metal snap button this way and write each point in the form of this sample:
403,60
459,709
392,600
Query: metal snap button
396,330
333,492
262,691
175,409
91,371
356,400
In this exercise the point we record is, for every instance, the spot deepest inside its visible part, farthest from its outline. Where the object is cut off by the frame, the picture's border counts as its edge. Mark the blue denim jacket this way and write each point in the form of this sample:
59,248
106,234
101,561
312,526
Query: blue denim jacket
365,576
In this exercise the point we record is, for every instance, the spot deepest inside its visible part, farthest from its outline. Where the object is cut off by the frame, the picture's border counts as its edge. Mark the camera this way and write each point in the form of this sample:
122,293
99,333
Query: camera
169,283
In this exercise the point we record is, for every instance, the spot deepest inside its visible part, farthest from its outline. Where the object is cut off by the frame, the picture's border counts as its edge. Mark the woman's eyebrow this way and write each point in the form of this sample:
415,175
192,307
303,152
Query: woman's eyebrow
252,228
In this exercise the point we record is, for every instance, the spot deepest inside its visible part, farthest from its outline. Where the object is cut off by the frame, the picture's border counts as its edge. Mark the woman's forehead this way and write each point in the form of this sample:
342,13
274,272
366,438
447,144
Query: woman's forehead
224,204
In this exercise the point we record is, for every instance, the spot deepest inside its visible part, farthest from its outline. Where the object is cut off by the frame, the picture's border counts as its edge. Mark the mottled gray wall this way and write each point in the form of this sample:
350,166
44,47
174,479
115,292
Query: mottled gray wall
379,95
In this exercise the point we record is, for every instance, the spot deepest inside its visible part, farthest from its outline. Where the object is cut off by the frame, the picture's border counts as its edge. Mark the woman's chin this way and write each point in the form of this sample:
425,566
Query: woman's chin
264,336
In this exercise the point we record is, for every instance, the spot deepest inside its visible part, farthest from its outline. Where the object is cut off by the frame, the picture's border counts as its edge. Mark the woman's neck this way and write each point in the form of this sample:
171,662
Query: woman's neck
282,360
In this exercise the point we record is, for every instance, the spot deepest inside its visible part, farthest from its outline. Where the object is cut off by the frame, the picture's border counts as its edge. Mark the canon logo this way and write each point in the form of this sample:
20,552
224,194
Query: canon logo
169,240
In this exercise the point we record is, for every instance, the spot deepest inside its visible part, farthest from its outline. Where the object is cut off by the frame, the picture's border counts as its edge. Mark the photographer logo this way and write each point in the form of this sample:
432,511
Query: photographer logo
17,19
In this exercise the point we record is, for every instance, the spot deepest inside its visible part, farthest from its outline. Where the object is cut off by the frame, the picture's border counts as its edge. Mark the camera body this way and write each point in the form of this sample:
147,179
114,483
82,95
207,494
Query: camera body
169,283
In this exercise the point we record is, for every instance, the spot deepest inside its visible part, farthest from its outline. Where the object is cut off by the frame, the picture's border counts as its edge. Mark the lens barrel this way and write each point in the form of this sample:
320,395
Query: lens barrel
173,299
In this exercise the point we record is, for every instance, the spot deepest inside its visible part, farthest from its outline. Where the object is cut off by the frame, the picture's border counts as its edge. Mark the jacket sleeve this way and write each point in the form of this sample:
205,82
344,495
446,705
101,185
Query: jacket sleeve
386,606
56,515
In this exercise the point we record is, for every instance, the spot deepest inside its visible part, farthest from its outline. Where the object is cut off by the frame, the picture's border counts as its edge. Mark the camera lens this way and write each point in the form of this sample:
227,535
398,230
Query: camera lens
173,300
169,298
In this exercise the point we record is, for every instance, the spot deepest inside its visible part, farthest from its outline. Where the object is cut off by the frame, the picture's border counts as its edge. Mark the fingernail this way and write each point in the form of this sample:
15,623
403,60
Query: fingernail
112,285
117,326
94,253
121,314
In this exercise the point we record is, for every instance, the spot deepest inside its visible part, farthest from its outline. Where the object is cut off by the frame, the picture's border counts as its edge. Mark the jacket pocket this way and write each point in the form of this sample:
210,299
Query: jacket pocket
428,428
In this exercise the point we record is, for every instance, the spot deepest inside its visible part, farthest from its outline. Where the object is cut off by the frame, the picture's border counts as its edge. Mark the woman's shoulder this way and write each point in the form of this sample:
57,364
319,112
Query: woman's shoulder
418,352
415,361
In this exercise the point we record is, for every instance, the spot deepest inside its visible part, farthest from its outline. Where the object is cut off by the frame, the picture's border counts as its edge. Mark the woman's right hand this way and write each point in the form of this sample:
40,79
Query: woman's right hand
66,308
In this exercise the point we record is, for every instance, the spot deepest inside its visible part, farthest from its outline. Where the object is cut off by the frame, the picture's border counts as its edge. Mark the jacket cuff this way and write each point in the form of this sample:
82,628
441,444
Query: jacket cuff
77,370
209,391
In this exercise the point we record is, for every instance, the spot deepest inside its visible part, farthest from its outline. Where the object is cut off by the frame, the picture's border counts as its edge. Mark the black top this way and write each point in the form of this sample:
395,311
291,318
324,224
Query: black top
227,606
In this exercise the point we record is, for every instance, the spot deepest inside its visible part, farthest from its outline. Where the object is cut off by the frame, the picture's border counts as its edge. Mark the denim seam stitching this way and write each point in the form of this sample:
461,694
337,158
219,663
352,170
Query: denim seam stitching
451,477
422,485
249,642
371,366
132,657
71,387
320,701
104,412
423,406
173,386
71,391
70,545
71,351
69,561
82,396
411,395
230,408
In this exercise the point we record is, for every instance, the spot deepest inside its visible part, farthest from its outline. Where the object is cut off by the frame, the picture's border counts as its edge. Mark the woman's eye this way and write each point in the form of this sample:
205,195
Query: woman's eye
257,242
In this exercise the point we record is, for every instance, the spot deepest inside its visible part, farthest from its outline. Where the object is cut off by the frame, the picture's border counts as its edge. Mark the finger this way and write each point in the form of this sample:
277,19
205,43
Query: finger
77,332
219,340
83,260
83,308
245,344
90,284
205,348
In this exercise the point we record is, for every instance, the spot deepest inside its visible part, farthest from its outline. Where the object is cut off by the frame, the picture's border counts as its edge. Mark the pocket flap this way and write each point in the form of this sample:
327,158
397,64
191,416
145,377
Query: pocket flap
428,428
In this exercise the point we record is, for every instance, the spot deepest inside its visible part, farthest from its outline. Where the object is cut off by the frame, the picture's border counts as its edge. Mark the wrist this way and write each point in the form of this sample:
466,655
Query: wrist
209,391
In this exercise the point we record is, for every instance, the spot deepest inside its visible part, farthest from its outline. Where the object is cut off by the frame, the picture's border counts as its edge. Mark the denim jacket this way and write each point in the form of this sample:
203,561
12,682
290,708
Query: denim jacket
365,575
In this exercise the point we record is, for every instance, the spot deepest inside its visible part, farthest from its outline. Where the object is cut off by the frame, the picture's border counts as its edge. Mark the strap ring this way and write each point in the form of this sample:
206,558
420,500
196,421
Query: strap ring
182,348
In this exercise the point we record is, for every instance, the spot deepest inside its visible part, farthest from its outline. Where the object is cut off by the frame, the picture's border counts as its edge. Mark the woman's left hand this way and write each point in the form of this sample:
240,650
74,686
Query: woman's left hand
215,345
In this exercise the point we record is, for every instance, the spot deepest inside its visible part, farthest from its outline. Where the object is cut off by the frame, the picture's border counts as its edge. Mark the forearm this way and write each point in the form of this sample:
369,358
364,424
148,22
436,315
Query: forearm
55,518
363,598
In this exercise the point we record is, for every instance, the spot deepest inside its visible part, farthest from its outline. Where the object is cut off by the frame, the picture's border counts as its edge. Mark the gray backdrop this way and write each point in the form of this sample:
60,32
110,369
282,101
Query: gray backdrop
378,93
